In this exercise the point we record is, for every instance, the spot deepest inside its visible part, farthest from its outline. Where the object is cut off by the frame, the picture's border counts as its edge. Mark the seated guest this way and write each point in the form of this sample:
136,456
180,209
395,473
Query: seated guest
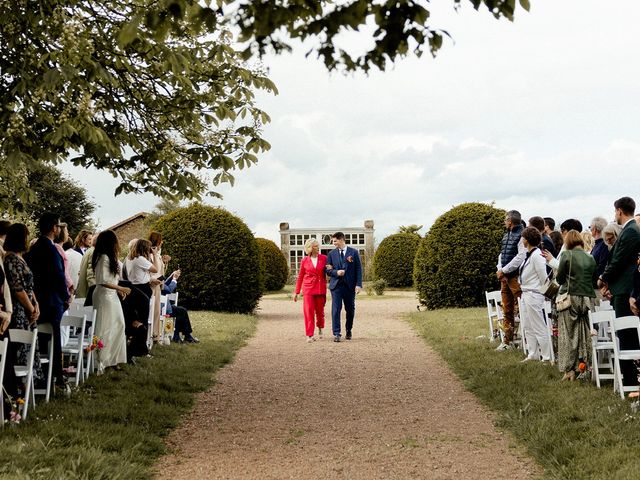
182,324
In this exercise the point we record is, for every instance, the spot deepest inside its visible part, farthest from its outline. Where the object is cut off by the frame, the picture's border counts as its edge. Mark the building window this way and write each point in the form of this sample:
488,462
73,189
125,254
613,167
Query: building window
361,238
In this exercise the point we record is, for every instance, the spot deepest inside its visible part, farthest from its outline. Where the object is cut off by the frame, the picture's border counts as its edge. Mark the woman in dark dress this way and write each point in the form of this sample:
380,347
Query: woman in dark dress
20,279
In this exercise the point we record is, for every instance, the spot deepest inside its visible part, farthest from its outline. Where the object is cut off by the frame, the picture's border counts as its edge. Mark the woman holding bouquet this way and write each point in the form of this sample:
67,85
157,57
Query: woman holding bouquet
313,283
109,315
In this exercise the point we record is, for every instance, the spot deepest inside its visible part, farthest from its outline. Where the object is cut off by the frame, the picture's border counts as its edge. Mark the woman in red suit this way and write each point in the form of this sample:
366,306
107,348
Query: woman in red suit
313,282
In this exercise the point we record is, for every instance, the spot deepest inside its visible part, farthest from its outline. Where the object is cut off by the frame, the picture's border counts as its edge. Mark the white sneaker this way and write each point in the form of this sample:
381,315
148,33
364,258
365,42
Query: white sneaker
310,339
503,346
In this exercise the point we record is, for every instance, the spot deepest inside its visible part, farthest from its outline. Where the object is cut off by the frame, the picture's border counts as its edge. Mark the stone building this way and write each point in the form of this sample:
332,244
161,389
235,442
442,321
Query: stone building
130,228
292,243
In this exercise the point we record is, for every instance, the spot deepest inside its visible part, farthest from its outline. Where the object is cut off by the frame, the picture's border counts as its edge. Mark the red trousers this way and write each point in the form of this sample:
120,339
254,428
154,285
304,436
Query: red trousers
313,307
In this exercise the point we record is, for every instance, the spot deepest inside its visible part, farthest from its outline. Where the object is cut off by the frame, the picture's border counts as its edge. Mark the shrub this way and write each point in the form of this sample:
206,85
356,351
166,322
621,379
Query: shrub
456,261
379,286
393,259
273,265
218,256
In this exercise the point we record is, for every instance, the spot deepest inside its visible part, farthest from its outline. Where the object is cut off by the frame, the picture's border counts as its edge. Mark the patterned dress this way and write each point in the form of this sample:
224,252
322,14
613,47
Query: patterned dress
20,279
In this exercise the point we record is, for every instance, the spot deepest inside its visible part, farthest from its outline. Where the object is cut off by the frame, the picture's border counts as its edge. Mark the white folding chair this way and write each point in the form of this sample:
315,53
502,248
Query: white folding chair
494,313
173,297
604,306
152,301
27,337
75,345
602,345
46,328
4,344
624,323
87,356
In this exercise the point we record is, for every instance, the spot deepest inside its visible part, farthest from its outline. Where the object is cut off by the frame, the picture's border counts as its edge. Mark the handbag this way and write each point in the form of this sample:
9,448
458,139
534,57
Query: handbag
563,301
550,288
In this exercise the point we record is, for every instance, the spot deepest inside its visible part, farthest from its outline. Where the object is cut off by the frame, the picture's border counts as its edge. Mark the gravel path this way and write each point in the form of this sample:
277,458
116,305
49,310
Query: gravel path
382,406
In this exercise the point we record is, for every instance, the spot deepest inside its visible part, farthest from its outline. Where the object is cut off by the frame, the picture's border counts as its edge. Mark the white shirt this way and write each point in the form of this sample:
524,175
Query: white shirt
314,261
138,270
534,272
75,259
516,261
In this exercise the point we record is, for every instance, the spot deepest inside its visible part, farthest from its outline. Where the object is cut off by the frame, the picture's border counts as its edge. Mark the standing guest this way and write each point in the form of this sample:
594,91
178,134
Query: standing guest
109,316
512,254
558,240
546,242
345,269
26,310
86,276
610,233
576,274
50,284
139,268
549,225
61,238
599,252
159,261
74,260
6,293
182,323
313,283
589,241
617,279
83,241
532,275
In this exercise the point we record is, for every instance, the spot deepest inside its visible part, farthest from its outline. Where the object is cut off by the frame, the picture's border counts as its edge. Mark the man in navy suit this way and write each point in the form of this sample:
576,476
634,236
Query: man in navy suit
345,269
50,285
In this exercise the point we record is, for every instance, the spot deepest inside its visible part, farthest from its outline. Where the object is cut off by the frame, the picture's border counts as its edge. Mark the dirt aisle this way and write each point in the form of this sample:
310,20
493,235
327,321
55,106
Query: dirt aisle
382,406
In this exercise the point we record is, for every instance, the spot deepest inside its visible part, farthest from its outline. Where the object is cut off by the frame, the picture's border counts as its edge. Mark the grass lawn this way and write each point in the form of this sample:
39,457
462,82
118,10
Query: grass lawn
573,430
113,427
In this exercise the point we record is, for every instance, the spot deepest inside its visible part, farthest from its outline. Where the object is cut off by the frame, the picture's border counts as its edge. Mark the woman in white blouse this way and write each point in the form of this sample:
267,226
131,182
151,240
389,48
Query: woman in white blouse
533,274
139,266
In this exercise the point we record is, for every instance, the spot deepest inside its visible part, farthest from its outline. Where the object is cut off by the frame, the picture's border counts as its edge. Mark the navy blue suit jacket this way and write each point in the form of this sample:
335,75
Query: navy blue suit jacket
353,269
50,284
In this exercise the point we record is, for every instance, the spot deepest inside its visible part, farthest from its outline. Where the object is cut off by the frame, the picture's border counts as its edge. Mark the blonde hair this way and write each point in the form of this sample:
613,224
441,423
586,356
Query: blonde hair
612,229
588,240
309,244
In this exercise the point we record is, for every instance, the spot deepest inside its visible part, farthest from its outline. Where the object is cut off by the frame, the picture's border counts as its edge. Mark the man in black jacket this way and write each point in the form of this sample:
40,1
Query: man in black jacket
50,285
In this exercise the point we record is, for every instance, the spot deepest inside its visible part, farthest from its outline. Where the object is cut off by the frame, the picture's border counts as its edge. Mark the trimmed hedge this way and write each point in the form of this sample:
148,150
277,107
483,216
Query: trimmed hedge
218,256
273,265
456,261
393,260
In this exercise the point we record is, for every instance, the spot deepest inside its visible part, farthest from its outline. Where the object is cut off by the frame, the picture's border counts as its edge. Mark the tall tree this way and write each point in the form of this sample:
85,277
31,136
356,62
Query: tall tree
107,84
55,192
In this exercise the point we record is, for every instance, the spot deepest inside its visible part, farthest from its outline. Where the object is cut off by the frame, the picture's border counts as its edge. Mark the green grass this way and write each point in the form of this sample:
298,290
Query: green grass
573,430
113,427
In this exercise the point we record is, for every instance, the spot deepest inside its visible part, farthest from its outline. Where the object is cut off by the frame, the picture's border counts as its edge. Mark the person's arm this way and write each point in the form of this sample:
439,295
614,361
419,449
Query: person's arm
356,260
299,281
563,268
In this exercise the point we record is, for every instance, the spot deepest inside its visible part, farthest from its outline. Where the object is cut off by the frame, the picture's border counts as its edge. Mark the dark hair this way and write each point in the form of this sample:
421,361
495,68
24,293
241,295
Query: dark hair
532,236
557,239
626,204
155,238
17,238
551,222
47,221
4,227
573,239
67,245
537,222
338,236
107,244
63,235
80,238
571,224
514,216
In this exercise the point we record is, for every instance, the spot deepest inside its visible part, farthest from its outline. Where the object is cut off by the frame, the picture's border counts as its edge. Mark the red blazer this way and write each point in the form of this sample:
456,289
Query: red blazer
313,281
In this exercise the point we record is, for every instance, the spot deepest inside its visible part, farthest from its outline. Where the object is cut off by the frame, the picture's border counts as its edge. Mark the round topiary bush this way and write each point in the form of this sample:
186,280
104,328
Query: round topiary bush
393,260
273,265
456,261
218,256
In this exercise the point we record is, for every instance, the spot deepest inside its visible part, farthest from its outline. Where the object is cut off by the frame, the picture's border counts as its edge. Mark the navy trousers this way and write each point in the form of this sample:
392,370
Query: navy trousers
340,295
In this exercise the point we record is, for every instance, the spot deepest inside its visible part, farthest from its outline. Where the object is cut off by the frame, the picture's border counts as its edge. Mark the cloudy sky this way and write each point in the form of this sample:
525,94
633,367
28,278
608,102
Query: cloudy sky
540,115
